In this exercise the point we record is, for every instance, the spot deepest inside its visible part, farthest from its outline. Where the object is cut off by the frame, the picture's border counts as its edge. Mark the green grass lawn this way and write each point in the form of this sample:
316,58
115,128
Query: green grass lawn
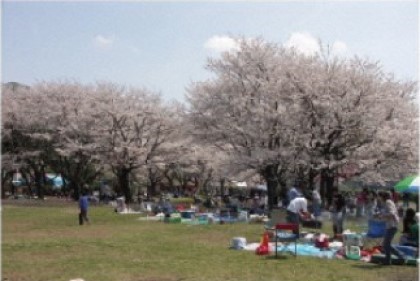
46,243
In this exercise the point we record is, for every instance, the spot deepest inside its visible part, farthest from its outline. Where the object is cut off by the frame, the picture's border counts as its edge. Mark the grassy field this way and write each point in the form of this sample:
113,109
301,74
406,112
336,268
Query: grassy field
44,242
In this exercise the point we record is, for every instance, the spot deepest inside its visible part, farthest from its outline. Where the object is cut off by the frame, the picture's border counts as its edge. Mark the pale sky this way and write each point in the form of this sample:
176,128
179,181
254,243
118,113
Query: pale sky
163,46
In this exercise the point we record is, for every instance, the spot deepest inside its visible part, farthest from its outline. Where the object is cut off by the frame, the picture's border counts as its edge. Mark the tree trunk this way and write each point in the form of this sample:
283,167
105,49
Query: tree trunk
5,176
330,188
123,175
3,189
28,182
153,182
222,187
75,187
39,183
327,186
322,188
302,182
197,186
311,178
151,189
270,175
283,190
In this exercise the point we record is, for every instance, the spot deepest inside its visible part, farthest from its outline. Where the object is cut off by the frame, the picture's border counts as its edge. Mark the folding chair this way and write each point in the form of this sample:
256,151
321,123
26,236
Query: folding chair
286,233
375,233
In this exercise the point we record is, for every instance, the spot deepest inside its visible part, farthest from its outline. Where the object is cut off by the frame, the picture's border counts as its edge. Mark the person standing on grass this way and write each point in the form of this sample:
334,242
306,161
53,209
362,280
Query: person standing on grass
83,206
372,203
361,202
390,215
338,210
316,202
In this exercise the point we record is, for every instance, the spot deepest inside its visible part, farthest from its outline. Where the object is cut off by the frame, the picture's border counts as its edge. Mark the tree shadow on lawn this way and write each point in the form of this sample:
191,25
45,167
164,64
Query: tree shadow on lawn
398,273
369,266
376,266
280,257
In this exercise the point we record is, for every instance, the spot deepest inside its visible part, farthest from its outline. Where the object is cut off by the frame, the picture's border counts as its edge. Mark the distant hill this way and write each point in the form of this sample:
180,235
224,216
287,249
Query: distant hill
14,86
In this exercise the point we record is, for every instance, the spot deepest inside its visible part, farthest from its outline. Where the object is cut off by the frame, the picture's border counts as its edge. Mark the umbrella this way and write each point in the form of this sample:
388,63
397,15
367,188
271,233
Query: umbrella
408,184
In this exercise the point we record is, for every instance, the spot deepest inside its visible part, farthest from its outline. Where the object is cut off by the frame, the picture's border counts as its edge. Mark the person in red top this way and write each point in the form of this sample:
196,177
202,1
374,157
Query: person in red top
394,196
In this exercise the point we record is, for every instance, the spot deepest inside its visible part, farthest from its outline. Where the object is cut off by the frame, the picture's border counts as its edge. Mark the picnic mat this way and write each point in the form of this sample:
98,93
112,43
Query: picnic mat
302,249
308,250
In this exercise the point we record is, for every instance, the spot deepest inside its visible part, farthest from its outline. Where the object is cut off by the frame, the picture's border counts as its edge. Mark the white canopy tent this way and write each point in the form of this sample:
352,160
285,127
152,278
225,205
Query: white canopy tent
240,184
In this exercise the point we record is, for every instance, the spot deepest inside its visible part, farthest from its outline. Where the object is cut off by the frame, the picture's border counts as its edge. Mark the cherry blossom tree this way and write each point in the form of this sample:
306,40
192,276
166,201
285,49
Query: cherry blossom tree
25,138
54,123
131,127
84,127
9,147
290,116
247,110
352,108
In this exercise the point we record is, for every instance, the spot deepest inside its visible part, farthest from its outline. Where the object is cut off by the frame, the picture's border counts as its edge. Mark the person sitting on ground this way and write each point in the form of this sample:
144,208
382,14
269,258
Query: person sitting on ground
409,219
410,233
297,210
414,232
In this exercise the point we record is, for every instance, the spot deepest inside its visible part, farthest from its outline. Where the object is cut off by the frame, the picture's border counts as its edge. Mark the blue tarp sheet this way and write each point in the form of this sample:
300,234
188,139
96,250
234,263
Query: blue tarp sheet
307,250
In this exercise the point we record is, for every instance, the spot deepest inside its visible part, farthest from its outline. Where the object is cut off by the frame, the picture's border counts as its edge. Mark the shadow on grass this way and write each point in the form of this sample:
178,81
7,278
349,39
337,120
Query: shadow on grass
369,266
280,257
374,266
397,273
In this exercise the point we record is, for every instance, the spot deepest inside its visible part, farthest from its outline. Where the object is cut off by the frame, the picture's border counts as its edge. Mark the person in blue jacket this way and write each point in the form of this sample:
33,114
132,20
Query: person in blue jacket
83,206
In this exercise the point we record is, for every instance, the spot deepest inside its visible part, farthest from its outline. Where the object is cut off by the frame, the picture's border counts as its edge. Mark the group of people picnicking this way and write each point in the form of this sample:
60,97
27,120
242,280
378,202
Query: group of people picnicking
371,204
380,205
297,208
